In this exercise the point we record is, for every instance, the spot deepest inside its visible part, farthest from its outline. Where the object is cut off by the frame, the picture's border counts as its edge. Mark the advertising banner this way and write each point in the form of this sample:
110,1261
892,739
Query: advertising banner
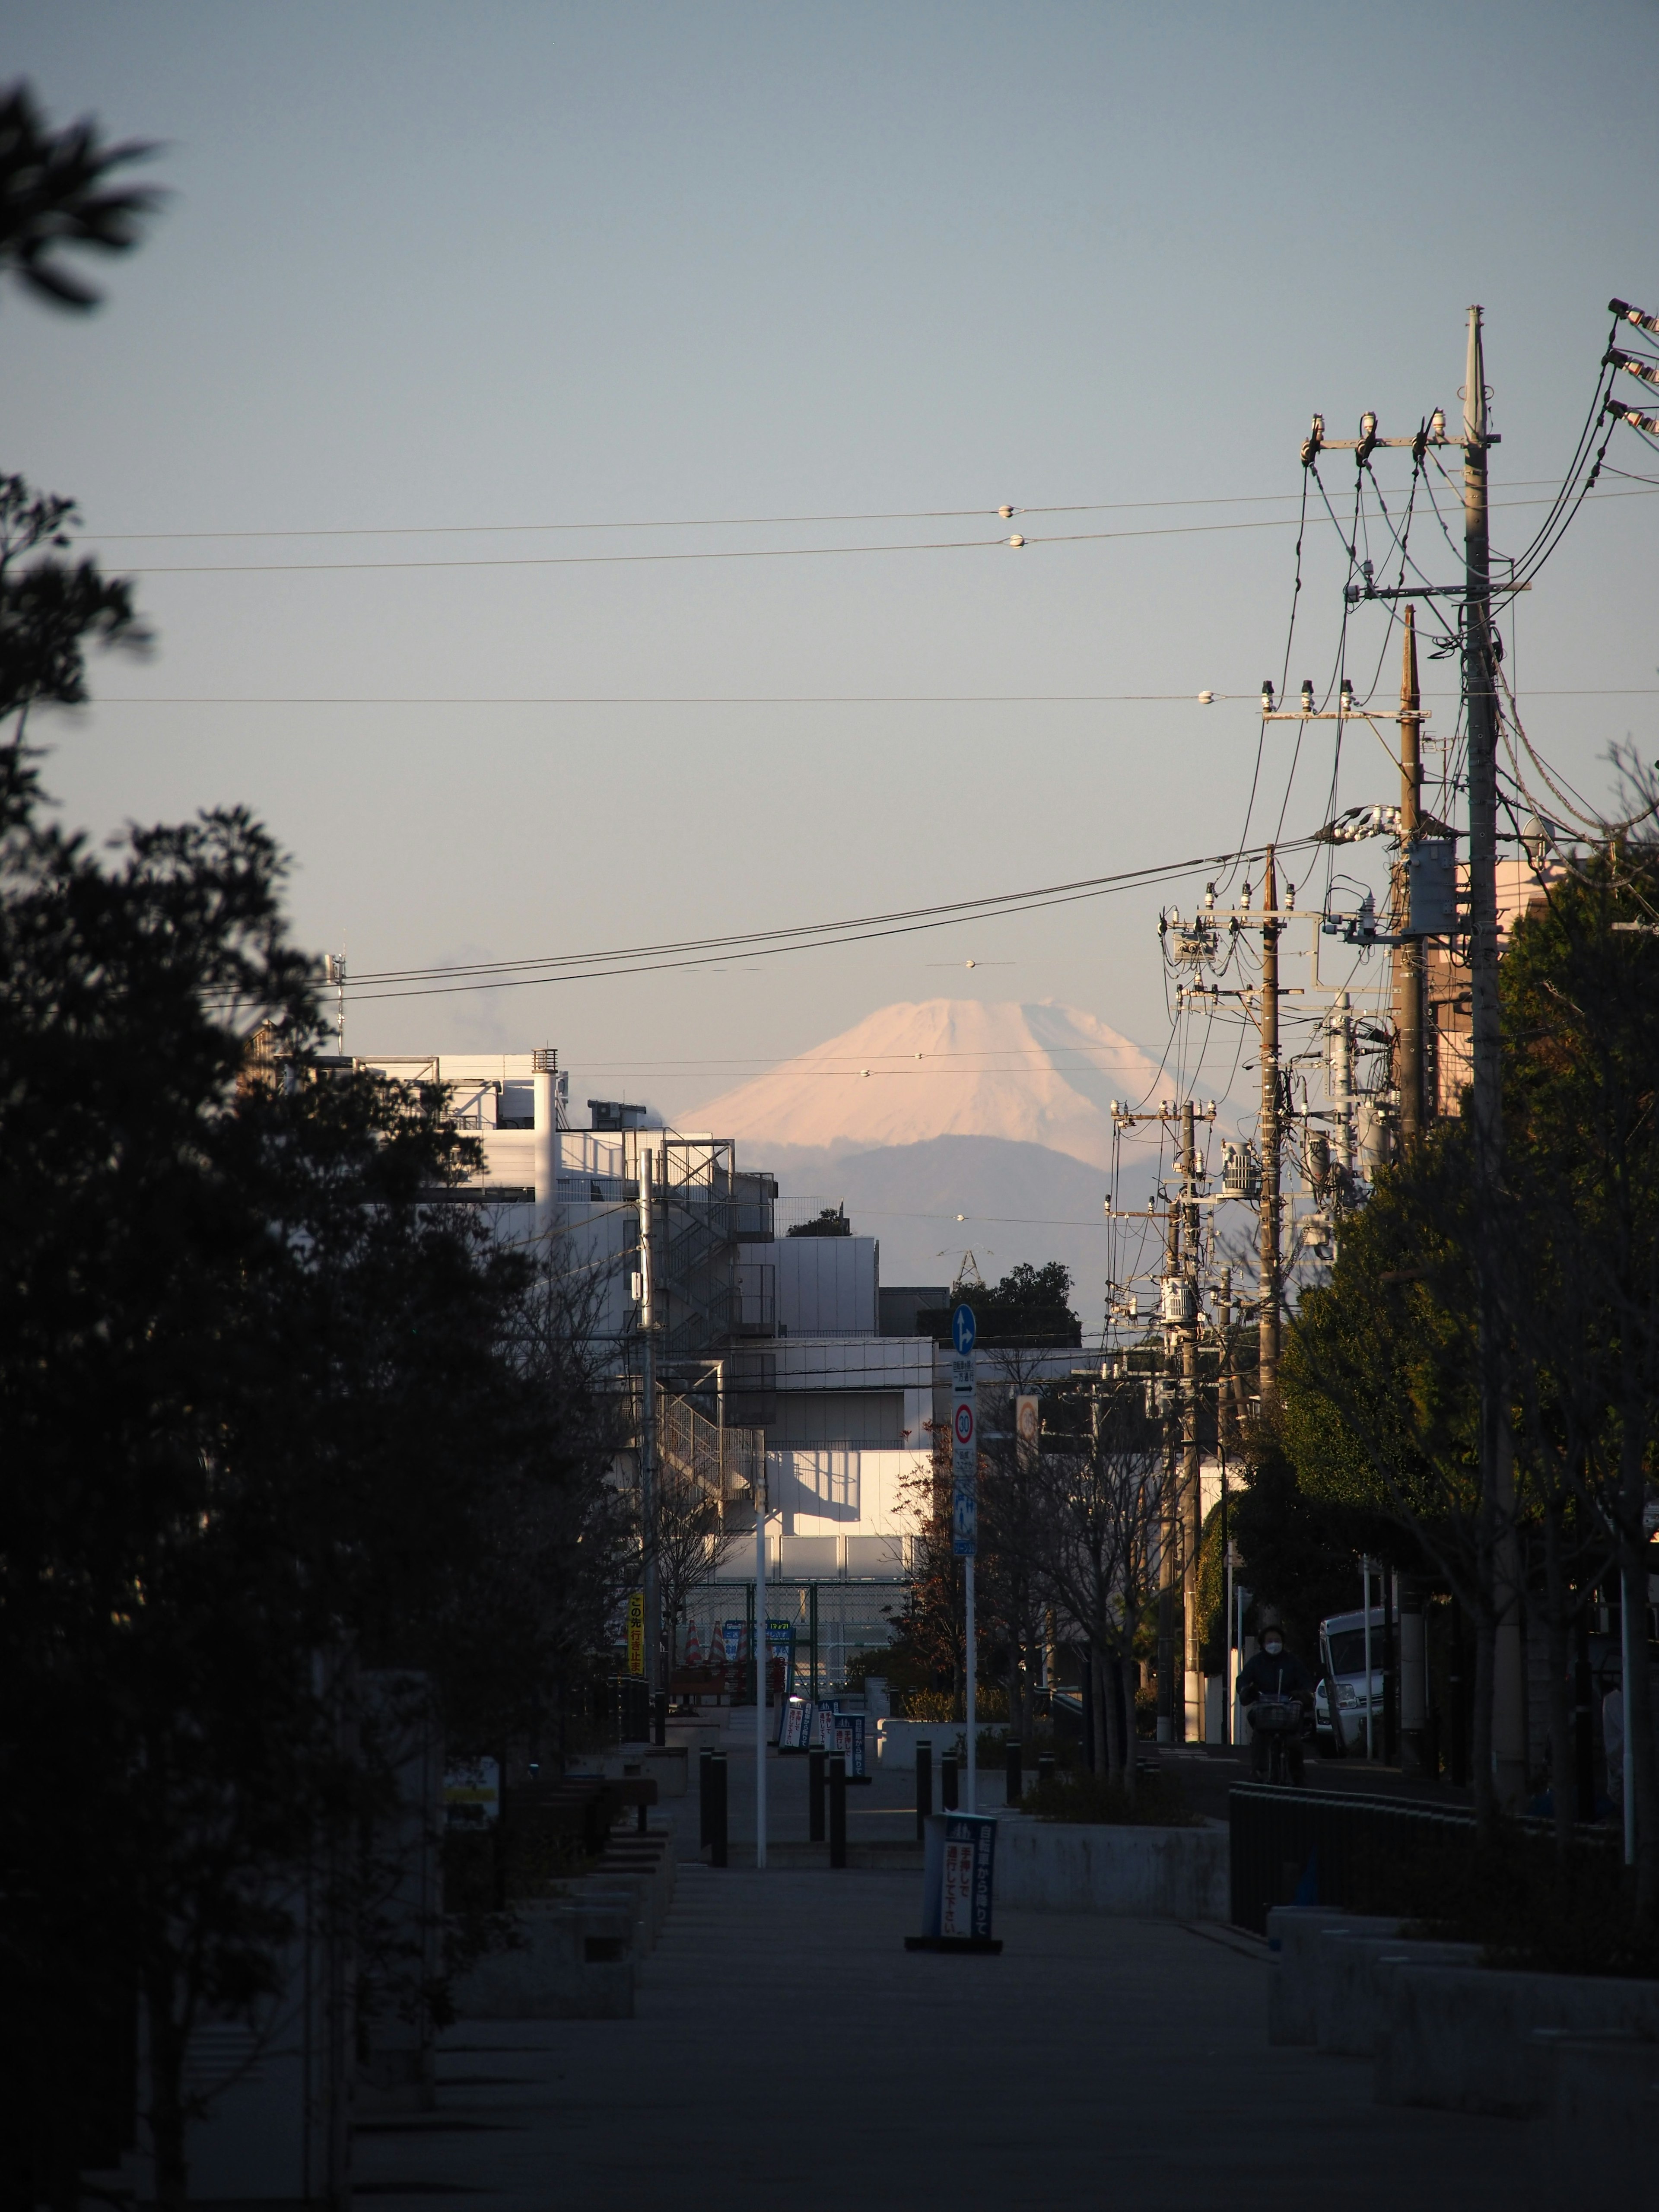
636,1633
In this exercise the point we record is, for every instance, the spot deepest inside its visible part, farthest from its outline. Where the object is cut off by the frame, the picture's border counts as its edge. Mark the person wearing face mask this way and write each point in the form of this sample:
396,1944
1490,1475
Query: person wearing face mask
1274,1671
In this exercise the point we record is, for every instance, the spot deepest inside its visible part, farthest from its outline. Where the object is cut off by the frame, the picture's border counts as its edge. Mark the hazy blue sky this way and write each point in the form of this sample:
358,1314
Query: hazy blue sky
497,264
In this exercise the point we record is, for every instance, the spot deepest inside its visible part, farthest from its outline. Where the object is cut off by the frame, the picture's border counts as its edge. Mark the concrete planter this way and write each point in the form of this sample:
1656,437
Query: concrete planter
1350,1980
1462,2039
897,1741
1294,1933
1600,2114
1147,1873
570,1962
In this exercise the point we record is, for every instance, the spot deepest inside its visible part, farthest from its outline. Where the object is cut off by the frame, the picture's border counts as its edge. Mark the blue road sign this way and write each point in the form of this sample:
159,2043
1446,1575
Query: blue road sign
963,1329
965,1522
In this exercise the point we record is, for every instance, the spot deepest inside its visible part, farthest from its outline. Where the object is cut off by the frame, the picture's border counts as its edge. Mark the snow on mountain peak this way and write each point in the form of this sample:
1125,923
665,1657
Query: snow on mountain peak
1041,1074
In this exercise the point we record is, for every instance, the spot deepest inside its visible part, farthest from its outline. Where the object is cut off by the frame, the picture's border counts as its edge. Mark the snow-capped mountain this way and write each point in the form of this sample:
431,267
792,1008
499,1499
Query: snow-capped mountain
1030,1074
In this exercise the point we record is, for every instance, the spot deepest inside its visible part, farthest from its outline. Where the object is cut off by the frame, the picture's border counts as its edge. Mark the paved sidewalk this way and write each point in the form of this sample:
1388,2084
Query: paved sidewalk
788,2051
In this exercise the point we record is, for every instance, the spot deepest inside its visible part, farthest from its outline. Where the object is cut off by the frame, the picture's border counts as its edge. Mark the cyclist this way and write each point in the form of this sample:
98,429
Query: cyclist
1275,1672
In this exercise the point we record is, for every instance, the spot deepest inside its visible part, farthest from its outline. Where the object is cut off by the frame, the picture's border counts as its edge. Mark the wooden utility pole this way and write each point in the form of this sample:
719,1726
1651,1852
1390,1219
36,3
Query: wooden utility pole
1504,1776
1408,968
1268,1323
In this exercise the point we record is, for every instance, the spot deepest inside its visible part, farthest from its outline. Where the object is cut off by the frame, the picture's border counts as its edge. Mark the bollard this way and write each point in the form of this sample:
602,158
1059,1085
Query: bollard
838,1809
705,1792
660,1719
717,1811
1015,1789
1045,1768
642,1824
924,1787
947,1782
816,1761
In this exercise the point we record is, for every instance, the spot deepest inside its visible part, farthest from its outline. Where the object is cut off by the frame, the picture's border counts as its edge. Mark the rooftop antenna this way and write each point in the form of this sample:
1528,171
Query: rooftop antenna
334,973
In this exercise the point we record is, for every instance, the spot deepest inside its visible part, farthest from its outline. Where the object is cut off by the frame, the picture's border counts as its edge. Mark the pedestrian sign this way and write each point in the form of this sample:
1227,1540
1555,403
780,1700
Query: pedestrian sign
965,1522
957,1883
964,1328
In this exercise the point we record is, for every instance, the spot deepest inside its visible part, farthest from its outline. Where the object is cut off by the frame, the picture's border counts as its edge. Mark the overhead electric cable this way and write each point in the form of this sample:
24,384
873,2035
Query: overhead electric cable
729,552
720,521
420,982
763,699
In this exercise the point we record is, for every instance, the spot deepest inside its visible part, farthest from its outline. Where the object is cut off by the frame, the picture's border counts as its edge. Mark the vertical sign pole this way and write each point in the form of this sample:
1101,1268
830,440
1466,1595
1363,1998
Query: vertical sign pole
964,1507
763,1653
973,1670
648,1432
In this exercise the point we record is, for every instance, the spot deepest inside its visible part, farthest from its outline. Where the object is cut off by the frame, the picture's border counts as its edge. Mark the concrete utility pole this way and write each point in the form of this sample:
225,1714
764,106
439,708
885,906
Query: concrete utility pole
1408,971
1168,1540
1191,1485
1268,1324
648,1432
1338,1065
1509,1749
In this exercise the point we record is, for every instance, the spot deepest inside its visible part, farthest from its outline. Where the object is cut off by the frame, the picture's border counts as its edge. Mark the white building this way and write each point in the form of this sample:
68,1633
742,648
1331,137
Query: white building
768,1342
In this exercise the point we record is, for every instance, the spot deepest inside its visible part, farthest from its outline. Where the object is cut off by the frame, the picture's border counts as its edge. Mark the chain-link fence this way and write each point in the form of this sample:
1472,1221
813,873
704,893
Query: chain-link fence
832,1621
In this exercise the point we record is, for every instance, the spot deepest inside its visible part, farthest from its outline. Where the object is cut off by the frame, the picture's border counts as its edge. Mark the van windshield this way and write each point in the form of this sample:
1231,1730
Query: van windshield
1348,1651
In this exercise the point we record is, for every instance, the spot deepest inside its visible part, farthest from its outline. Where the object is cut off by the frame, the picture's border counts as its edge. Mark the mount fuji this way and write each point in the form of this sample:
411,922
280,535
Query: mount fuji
952,1125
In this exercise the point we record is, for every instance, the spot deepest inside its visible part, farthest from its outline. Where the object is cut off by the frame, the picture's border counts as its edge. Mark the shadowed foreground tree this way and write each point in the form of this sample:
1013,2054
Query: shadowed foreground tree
1379,1379
269,1417
57,194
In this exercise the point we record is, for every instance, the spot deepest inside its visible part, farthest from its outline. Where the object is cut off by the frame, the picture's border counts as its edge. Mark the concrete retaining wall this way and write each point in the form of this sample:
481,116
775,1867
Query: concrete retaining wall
897,1741
1461,2039
1150,1874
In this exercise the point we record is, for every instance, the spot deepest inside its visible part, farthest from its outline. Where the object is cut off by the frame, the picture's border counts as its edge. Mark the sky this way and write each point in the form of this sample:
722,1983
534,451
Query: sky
458,280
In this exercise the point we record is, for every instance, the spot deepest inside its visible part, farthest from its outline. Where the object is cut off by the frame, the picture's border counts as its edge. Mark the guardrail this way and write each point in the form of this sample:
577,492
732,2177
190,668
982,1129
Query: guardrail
1327,1847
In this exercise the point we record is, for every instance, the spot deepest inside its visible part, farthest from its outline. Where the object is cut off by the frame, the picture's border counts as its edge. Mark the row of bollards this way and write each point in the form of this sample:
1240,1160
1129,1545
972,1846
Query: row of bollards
826,1776
712,1804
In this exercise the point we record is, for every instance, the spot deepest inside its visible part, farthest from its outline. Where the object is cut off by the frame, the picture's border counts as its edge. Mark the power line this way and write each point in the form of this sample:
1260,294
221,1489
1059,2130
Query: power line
773,699
737,552
634,960
715,521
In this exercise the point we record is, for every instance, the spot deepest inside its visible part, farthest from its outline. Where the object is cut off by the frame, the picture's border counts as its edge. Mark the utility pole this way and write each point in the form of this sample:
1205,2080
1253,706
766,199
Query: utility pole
1169,1544
1191,1485
1508,1772
1268,1323
1408,971
1338,1074
648,1432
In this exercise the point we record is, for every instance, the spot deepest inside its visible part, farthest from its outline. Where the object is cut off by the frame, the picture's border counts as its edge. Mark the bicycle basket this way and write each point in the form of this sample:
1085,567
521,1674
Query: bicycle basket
1276,1715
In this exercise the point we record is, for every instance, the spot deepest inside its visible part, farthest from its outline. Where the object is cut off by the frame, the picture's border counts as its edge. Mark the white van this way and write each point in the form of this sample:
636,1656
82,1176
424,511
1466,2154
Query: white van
1342,1660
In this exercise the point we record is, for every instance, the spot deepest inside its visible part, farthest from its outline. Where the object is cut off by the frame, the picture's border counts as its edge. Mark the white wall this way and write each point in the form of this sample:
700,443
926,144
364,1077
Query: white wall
844,1490
825,1286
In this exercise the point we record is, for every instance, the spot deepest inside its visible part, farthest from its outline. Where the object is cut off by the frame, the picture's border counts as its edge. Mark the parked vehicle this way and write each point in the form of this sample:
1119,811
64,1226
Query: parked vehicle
1342,1659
